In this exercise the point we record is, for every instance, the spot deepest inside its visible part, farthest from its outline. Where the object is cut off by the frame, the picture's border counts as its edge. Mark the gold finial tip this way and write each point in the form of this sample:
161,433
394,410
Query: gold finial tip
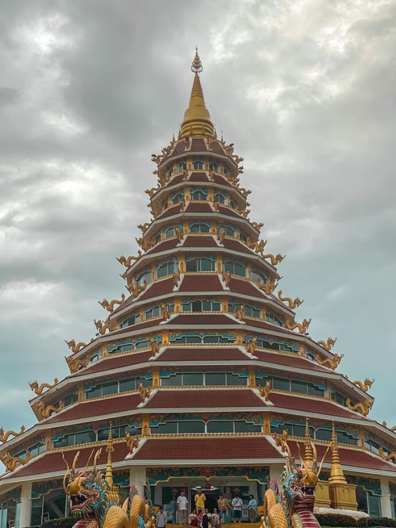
196,66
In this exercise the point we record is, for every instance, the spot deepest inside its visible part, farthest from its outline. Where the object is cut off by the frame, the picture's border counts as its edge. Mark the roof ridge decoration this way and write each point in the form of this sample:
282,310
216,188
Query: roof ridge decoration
197,121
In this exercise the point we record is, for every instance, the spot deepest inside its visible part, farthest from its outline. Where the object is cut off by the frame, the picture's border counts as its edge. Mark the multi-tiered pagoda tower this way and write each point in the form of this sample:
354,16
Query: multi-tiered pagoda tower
201,365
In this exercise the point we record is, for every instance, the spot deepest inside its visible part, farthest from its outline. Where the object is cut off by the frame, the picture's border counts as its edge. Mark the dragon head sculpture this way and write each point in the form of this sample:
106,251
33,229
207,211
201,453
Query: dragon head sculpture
87,489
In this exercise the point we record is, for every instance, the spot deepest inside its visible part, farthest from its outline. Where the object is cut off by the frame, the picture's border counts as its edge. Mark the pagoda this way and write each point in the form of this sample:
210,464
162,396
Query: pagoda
200,365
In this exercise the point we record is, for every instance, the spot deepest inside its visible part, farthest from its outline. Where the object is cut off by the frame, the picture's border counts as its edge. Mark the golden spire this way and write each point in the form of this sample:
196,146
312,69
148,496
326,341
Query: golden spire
109,468
196,121
336,473
308,456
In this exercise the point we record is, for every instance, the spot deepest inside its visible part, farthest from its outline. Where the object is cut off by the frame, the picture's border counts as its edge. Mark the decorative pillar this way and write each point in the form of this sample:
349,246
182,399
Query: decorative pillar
252,376
266,424
26,505
342,494
146,425
156,377
385,499
302,350
137,477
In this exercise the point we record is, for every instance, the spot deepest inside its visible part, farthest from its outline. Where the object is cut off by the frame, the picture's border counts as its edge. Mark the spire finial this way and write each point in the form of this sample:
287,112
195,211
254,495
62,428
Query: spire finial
308,443
197,120
109,451
196,66
336,473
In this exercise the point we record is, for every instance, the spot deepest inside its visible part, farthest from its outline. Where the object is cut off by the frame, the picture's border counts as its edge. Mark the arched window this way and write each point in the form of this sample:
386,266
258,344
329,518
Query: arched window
227,229
204,305
200,227
213,166
235,267
182,166
219,197
206,263
274,318
167,268
243,237
171,231
143,276
259,276
198,194
198,165
177,197
132,319
225,171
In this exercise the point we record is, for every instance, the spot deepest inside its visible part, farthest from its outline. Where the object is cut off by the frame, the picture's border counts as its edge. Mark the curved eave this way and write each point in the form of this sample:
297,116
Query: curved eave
213,215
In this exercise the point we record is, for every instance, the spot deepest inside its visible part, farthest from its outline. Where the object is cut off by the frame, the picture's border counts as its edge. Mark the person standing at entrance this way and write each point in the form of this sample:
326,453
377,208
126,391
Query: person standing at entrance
222,504
237,507
161,518
252,507
182,504
199,500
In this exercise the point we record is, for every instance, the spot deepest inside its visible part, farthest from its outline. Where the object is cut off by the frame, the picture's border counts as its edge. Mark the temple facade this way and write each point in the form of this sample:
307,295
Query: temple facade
201,366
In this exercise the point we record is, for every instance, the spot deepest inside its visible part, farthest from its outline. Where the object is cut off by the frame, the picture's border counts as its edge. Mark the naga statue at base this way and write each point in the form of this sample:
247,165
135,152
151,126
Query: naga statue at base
292,504
94,499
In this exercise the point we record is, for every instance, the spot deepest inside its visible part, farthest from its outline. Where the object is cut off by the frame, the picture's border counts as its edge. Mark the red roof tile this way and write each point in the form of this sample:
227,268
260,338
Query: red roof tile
204,398
179,148
202,354
111,363
217,149
245,288
164,246
157,289
169,212
175,180
198,177
53,461
198,145
200,241
199,207
298,403
288,361
229,212
202,319
226,448
235,245
221,180
200,283
267,326
102,407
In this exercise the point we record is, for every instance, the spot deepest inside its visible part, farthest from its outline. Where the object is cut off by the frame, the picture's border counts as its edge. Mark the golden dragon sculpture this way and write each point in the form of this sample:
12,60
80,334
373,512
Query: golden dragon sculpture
364,408
38,389
267,287
265,391
275,259
251,346
12,463
75,347
328,345
292,304
366,385
144,392
76,364
302,327
5,436
110,306
105,326
136,290
127,261
132,441
331,363
45,411
391,456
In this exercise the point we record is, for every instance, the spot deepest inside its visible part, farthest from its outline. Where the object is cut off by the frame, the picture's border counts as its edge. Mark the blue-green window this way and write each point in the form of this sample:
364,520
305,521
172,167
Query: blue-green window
177,197
182,166
213,166
155,311
206,263
70,399
198,194
116,386
167,268
274,319
180,379
259,276
171,231
143,276
199,227
235,267
131,320
204,305
170,172
219,197
243,237
198,165
227,229
266,342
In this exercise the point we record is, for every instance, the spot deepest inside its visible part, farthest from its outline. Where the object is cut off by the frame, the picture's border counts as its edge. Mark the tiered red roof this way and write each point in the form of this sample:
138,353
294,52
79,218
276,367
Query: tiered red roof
156,289
288,361
199,207
166,245
200,241
200,283
116,362
204,399
202,319
226,448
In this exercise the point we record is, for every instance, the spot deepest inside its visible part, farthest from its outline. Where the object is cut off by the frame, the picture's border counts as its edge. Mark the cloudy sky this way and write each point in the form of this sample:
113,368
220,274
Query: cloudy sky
89,90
